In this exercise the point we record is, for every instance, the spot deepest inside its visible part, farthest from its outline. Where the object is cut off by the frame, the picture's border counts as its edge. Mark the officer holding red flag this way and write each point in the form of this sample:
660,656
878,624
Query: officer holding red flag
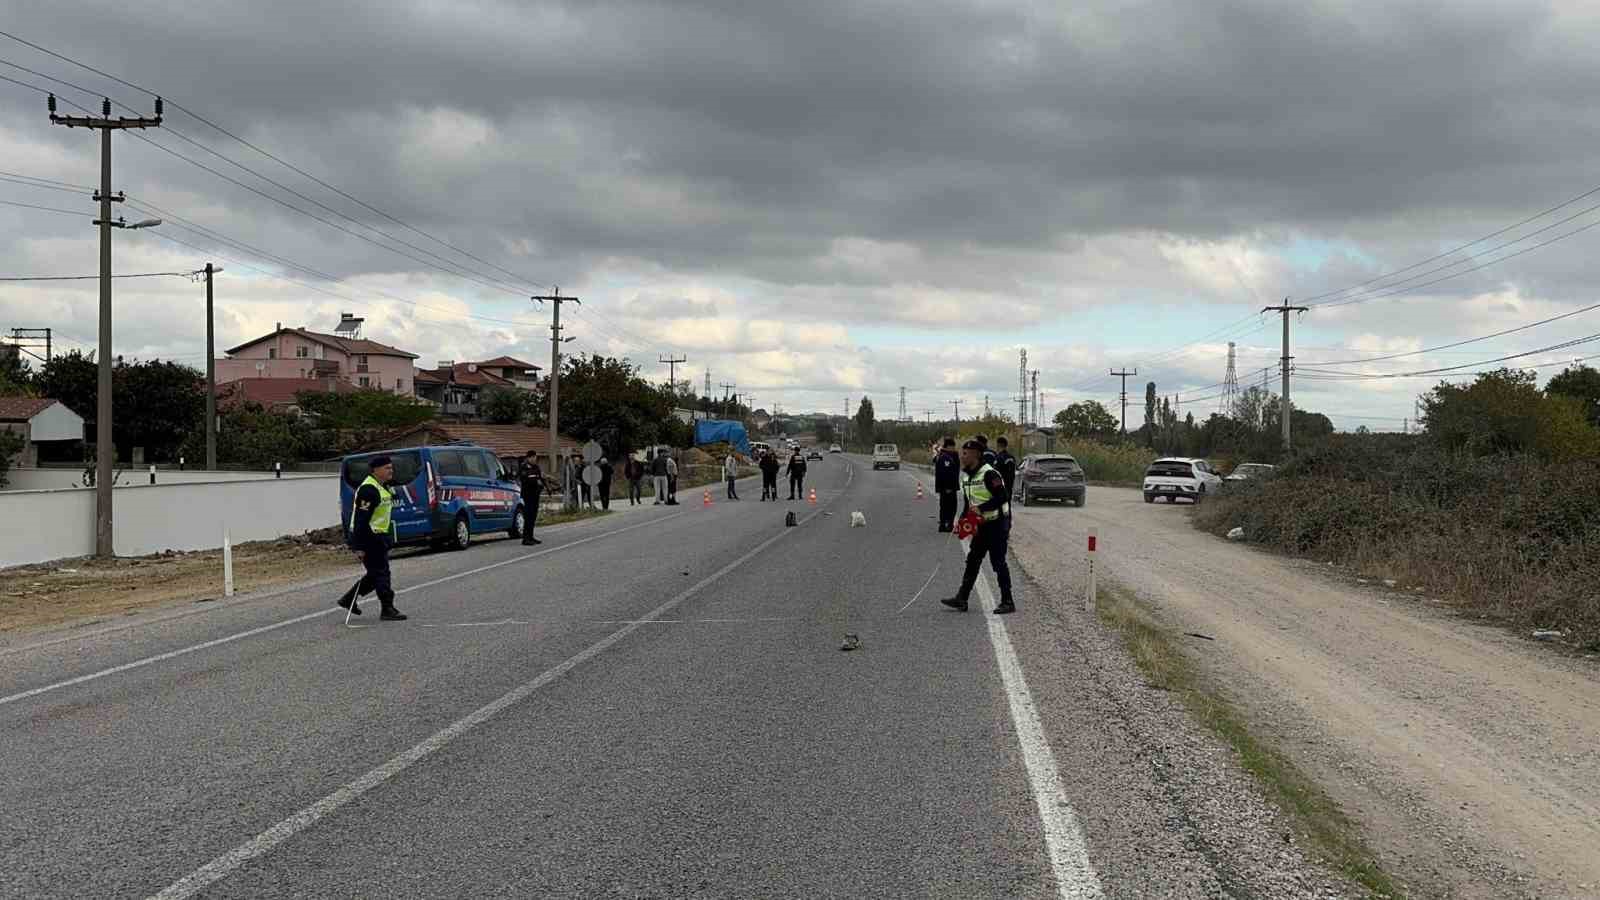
988,518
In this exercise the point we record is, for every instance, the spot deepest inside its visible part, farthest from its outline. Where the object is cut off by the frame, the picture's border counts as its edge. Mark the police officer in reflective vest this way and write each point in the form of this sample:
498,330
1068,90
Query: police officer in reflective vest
370,534
985,493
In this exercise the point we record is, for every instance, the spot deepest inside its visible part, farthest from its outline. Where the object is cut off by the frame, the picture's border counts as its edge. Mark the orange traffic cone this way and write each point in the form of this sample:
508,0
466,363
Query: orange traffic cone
919,490
706,500
813,498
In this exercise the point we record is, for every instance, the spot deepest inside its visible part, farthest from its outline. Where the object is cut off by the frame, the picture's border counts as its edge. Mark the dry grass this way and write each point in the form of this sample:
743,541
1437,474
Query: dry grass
1324,826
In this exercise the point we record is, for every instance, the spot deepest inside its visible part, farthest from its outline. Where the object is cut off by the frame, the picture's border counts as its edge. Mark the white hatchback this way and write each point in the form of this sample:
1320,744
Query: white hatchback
1180,476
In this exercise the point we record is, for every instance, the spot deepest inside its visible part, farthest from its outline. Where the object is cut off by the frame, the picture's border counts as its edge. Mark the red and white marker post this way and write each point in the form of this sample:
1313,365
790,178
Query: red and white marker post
1089,594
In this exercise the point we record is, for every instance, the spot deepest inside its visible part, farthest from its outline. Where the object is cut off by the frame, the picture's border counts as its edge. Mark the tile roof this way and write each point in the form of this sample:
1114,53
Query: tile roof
346,345
506,362
21,409
464,376
276,392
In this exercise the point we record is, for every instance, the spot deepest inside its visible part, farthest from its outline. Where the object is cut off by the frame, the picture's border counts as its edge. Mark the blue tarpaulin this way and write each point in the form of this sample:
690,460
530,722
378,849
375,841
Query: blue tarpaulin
716,431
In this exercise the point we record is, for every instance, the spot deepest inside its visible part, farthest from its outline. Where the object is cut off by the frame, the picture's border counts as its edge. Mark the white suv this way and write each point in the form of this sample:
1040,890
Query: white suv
885,456
1180,476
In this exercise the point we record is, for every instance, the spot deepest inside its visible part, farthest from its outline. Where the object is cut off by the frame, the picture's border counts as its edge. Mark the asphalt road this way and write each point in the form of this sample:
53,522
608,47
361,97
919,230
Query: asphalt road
652,704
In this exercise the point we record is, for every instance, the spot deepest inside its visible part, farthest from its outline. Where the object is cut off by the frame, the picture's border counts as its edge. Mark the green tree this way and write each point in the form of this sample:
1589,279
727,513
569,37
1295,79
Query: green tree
1503,412
1087,418
366,409
1150,411
605,399
824,431
15,377
865,422
71,378
504,406
11,444
1582,382
155,404
255,438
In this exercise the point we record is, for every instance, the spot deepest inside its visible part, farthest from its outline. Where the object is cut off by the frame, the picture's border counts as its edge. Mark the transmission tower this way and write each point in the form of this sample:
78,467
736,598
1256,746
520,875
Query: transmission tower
708,381
1034,378
904,416
1022,388
1230,386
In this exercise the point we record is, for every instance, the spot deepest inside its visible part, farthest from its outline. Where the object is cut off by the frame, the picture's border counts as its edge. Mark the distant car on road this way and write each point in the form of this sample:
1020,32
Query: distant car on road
1180,476
813,453
835,448
1249,471
886,456
1051,476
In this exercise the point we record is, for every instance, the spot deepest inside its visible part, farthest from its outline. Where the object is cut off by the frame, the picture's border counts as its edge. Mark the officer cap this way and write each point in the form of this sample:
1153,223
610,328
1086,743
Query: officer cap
972,445
377,462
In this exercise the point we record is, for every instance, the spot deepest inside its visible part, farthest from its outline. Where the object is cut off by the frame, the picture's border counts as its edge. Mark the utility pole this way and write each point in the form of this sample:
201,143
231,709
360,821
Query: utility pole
24,338
1284,308
708,383
1034,378
672,370
210,272
555,299
1022,390
957,404
105,448
727,390
1123,374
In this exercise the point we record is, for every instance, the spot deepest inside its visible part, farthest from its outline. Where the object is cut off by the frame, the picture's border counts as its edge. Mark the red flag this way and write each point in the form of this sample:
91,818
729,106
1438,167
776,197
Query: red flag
967,525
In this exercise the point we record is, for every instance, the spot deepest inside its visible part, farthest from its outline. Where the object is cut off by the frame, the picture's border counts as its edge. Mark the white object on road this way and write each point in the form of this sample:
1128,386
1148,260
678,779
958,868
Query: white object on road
858,520
227,564
1546,634
1236,534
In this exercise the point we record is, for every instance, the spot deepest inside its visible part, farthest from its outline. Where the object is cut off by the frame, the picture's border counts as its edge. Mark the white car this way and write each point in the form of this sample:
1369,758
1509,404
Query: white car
835,448
1247,471
1180,476
885,456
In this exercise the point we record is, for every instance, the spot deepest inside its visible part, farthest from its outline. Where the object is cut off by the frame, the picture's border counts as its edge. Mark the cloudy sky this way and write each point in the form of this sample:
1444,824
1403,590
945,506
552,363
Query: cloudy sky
827,199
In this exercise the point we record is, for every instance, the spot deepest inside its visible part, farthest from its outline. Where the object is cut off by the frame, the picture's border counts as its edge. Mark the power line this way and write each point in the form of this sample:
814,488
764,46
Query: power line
54,209
1351,362
89,277
1363,376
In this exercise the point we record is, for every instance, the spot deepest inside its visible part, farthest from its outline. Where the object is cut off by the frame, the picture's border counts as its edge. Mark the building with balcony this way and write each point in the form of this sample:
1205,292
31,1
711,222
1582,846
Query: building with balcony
301,353
453,388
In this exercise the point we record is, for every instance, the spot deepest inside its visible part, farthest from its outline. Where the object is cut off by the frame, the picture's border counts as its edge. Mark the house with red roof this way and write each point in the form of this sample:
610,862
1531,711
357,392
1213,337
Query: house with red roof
454,387
280,395
300,353
46,425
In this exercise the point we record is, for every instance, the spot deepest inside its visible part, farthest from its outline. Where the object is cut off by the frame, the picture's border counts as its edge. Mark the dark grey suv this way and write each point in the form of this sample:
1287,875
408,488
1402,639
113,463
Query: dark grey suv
1050,476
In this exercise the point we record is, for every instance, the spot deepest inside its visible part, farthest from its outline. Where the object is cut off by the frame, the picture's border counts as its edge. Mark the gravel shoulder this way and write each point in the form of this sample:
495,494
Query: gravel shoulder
1466,754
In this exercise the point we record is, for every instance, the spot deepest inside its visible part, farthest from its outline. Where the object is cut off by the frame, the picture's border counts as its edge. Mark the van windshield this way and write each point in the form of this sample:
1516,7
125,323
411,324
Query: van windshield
406,467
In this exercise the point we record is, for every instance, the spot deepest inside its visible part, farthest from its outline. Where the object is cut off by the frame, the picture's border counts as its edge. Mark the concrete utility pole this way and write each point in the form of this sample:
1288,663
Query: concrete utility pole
672,370
211,373
1124,376
105,448
1284,308
556,300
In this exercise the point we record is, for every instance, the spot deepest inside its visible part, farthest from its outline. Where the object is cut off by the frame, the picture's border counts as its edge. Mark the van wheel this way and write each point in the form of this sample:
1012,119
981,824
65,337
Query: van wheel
517,523
462,537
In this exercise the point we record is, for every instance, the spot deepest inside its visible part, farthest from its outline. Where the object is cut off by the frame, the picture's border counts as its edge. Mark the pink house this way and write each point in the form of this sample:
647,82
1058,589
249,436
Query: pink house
302,354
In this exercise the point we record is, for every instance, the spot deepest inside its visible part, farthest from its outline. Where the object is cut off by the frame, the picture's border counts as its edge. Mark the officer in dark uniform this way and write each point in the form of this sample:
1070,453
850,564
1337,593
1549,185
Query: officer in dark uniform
947,483
532,479
1006,464
371,533
985,455
985,493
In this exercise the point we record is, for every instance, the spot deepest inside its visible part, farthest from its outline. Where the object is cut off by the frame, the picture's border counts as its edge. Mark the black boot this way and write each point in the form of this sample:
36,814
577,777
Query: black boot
390,614
959,603
348,601
1005,608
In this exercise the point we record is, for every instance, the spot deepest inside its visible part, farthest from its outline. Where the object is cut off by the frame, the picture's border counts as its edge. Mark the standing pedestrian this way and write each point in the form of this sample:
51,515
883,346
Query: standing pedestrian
797,475
370,535
985,455
633,471
672,481
947,483
730,474
605,483
769,476
532,480
985,495
1006,464
658,475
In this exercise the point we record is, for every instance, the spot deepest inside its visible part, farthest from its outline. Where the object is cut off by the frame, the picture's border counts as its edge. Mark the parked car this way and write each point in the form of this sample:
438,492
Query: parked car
1051,476
814,453
1180,476
759,449
1247,471
835,448
443,494
885,456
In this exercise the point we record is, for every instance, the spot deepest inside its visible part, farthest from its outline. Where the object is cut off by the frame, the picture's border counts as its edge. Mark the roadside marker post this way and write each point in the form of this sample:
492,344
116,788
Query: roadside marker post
1089,595
227,564
152,474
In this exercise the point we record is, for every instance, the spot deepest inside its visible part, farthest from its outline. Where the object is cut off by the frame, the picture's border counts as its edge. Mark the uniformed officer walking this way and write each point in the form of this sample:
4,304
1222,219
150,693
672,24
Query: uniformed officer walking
532,481
985,493
370,534
947,483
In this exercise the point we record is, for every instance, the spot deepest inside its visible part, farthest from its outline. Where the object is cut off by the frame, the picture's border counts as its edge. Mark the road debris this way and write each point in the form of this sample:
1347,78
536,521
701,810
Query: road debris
1236,534
851,642
1547,634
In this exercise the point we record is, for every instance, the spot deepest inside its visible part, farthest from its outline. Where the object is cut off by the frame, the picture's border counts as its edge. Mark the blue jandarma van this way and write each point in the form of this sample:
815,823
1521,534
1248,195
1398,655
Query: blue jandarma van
443,495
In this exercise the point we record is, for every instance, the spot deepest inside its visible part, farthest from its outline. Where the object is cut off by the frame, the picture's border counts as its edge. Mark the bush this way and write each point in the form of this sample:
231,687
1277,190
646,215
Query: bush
11,444
1512,536
1111,463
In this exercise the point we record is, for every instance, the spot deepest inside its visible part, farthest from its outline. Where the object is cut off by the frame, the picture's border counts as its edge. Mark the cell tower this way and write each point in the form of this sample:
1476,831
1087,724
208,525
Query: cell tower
1034,418
1230,386
1022,388
708,382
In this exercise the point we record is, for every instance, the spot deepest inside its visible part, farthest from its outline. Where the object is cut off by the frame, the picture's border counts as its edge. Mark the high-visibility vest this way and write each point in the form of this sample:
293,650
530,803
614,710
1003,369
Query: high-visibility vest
380,516
978,493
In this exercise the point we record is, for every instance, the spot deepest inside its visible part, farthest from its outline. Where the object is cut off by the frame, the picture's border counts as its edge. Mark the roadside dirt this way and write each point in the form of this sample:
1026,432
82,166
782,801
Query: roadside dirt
71,590
1468,754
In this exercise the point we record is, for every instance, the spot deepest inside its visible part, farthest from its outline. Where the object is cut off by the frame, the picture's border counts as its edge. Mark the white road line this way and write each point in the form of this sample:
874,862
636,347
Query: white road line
480,624
1063,838
261,844
173,654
